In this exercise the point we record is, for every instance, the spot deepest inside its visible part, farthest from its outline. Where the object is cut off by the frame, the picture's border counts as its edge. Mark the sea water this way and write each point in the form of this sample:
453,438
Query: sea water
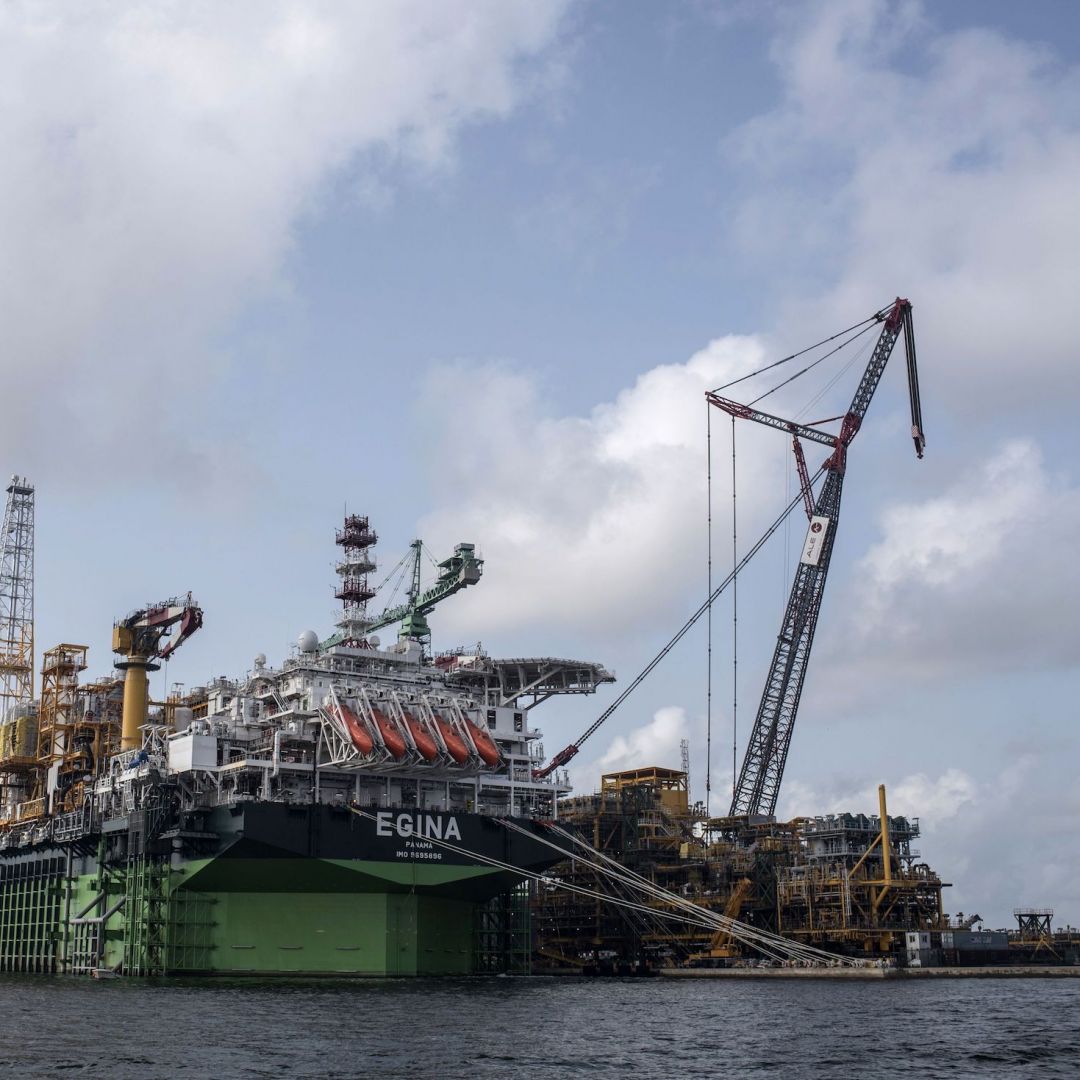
539,1028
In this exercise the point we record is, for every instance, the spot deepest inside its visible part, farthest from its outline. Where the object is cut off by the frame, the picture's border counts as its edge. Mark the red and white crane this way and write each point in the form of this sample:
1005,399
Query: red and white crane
762,770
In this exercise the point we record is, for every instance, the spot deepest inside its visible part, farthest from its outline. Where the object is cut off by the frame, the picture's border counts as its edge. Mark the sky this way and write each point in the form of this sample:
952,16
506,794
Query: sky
469,268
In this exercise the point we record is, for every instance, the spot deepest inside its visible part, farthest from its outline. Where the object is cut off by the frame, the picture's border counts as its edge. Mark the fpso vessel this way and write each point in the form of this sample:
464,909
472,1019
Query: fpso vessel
356,810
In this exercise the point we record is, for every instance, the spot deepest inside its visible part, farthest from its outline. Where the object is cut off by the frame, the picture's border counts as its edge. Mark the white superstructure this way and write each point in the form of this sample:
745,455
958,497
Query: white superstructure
296,732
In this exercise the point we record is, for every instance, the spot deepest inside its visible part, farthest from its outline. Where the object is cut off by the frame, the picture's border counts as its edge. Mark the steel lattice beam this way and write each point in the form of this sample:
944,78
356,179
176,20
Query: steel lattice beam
762,771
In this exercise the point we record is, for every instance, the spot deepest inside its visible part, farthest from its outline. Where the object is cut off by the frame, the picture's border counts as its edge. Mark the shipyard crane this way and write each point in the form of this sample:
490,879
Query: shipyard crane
456,572
766,755
762,769
142,638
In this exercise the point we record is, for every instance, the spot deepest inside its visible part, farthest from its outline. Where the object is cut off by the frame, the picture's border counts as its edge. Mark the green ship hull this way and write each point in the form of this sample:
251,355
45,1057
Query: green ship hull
269,889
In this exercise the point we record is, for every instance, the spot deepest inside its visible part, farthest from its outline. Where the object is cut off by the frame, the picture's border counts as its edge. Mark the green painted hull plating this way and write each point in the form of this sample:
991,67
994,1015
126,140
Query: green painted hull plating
267,932
248,906
342,933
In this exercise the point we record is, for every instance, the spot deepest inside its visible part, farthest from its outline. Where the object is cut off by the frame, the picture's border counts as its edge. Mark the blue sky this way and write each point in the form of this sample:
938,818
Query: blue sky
469,267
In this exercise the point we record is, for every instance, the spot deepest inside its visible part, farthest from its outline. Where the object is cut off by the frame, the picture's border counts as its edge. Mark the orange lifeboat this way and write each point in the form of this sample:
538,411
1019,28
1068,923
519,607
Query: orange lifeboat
485,745
425,744
357,732
391,737
454,744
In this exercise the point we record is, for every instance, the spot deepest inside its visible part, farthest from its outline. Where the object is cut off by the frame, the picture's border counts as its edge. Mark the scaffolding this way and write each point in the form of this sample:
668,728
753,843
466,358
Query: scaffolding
65,747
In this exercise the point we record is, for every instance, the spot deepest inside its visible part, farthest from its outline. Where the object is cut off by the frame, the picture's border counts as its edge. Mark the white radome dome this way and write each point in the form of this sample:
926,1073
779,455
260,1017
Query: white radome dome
260,660
307,641
373,641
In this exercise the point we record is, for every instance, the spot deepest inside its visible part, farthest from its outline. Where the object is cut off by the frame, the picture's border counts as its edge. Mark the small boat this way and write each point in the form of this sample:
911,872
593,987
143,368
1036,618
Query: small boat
357,732
392,739
425,744
455,745
485,745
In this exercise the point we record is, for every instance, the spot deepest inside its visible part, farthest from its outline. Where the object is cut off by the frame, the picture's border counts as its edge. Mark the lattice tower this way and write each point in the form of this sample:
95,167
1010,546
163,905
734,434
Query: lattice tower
356,539
17,598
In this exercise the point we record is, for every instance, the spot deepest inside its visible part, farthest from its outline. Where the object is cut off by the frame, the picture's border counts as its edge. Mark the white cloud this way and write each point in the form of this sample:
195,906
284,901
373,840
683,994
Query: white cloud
978,579
943,165
657,742
596,521
158,157
937,800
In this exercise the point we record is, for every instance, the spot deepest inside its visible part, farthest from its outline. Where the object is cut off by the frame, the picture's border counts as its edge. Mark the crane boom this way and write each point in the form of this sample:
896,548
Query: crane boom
456,572
762,771
773,739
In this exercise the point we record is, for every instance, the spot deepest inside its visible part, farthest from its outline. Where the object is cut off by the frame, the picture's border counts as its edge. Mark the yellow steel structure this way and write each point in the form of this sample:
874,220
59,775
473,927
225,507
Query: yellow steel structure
869,902
136,686
64,745
723,945
136,705
668,784
821,880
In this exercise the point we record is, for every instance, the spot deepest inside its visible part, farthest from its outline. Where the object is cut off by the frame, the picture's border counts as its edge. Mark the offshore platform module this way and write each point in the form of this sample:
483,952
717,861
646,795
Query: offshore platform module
290,821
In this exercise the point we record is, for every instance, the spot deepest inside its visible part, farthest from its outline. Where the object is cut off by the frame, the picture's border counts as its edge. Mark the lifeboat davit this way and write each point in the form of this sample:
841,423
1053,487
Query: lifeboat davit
455,746
392,739
485,745
425,744
357,732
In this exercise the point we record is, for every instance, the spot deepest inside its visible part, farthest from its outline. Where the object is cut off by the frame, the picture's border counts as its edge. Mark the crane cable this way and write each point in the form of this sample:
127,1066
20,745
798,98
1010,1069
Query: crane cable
734,624
772,944
876,317
708,623
706,605
810,367
861,327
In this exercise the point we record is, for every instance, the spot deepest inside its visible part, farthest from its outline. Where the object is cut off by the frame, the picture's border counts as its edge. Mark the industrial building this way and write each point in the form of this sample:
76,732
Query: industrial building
824,881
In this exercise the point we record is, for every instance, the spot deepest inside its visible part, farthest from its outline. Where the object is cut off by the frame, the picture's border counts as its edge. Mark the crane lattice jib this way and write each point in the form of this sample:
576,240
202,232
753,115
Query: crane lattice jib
764,765
766,754
762,770
456,572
